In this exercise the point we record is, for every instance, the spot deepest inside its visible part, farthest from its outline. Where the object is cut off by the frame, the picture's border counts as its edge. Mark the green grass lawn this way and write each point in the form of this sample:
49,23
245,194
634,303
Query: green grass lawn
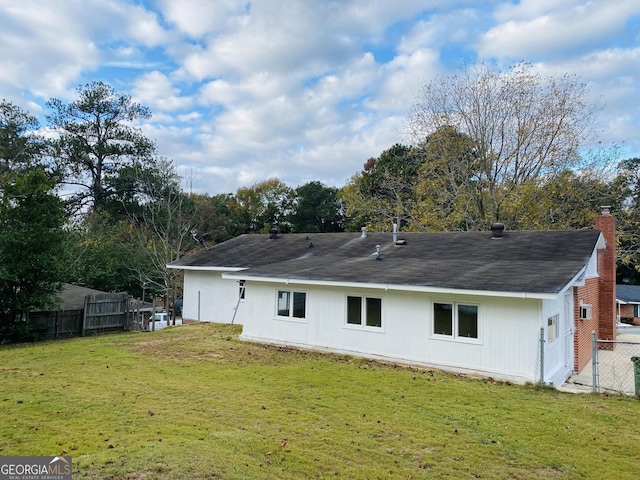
194,402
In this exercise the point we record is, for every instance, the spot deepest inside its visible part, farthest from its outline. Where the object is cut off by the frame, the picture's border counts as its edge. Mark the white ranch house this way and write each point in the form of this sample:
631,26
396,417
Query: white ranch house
471,302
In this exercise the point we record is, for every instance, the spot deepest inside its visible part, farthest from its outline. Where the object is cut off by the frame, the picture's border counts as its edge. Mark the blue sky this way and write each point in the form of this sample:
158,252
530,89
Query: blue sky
242,91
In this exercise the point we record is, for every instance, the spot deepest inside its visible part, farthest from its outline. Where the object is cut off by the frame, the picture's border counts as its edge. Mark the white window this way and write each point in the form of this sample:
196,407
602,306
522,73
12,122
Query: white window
364,311
552,327
455,320
586,312
291,304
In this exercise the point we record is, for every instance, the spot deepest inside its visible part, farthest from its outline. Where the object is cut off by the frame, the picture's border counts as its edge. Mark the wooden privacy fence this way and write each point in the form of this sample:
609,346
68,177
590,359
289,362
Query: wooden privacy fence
102,312
59,324
105,311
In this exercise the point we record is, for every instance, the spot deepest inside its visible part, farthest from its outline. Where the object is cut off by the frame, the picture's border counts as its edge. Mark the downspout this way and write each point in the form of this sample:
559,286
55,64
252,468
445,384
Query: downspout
542,342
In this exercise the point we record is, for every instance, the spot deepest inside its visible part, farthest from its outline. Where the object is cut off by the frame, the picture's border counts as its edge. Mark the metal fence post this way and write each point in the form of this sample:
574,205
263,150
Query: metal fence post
541,355
594,362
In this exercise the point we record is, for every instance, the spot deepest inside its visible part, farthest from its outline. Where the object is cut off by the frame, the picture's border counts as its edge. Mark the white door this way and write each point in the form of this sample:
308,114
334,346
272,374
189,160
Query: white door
567,330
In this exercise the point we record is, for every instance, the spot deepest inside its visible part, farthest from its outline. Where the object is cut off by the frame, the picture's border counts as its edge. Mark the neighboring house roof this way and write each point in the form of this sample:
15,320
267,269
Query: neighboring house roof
628,293
72,296
542,261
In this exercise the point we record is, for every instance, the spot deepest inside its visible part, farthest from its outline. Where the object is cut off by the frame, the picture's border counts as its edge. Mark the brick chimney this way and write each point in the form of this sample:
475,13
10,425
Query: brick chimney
607,276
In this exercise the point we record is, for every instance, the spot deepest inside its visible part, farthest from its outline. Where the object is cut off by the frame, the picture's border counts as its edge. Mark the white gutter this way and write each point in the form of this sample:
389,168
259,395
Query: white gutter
395,287
206,269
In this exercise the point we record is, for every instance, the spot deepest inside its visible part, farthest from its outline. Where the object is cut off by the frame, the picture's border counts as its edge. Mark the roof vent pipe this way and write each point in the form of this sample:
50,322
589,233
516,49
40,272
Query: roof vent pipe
273,233
497,229
364,232
395,232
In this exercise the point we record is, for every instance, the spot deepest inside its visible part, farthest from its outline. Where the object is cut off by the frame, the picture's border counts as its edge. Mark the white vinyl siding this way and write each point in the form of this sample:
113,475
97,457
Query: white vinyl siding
209,298
508,329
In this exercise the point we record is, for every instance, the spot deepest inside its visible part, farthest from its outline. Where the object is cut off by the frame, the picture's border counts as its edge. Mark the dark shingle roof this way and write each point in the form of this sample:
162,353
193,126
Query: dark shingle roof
72,297
542,262
628,293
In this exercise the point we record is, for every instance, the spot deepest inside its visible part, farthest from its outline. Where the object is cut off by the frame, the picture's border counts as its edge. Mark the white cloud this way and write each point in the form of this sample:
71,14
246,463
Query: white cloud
375,16
241,91
189,117
611,75
41,48
553,28
141,25
403,77
199,18
281,38
259,86
605,64
527,9
156,91
446,28
48,46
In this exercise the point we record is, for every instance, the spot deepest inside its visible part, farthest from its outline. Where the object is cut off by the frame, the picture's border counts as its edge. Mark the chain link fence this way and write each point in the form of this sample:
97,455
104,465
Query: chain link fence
616,365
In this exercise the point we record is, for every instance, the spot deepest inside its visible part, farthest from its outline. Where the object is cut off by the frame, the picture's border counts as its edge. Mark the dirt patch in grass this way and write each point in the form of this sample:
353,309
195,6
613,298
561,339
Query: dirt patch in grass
201,342
15,371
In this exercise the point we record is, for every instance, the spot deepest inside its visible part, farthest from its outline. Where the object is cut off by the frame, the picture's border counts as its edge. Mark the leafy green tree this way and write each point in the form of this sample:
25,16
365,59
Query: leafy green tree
384,192
97,143
105,254
447,180
567,201
262,206
316,209
447,191
129,253
20,148
32,263
357,207
118,184
31,245
213,218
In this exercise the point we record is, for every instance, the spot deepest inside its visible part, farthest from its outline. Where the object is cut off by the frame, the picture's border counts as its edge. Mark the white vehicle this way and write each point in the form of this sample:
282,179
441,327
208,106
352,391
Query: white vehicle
161,317
161,320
